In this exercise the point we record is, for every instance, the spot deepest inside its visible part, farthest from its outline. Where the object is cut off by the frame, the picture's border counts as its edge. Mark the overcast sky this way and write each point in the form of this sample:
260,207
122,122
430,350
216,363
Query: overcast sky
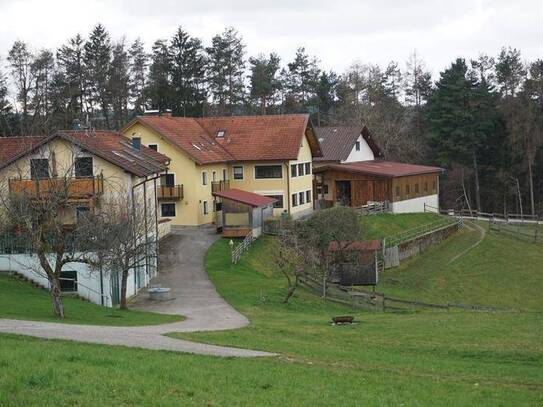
338,32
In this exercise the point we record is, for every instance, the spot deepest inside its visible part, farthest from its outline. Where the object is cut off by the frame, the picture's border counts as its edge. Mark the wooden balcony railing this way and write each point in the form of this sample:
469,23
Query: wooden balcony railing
218,186
74,188
174,192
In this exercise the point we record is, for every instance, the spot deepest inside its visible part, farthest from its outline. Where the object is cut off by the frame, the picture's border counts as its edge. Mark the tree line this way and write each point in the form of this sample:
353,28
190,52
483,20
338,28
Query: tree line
481,120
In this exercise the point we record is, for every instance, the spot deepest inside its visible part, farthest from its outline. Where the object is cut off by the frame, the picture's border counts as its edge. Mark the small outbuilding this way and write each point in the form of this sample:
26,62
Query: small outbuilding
240,212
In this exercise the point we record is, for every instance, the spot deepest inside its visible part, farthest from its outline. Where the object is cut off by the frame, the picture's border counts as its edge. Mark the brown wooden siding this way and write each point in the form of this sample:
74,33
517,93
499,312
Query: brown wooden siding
414,186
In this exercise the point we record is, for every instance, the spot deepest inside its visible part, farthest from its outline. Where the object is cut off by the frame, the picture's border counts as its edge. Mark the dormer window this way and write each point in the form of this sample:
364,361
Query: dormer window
220,134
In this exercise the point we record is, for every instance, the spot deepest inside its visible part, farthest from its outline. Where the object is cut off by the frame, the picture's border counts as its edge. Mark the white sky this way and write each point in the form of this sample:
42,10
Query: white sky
337,32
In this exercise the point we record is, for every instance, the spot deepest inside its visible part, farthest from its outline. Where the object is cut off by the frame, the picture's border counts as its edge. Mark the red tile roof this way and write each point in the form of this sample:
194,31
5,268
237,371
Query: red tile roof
338,142
110,146
245,197
12,148
245,138
381,168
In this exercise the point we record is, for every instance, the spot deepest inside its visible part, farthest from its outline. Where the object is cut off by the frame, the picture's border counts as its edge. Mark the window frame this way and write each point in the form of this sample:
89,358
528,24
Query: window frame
76,166
357,145
234,172
162,210
205,181
267,166
34,170
293,170
301,169
294,200
205,207
308,197
279,201
165,178
301,198
308,169
64,283
153,146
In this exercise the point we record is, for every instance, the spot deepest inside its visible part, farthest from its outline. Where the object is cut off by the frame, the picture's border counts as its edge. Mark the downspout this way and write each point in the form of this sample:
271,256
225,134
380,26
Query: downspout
288,187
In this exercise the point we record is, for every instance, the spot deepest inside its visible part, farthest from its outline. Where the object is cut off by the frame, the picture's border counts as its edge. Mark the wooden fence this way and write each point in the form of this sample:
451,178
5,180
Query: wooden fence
532,233
374,208
376,301
242,247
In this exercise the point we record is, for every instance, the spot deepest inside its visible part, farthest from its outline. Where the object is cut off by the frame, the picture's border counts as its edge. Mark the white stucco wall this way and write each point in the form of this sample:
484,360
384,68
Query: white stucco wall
415,204
365,153
88,279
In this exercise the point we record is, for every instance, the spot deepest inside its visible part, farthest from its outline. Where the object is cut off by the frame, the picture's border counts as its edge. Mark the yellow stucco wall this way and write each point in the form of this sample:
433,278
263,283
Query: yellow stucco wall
190,209
117,182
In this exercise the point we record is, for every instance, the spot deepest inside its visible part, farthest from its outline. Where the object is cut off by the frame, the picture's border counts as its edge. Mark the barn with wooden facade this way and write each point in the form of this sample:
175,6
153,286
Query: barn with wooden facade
406,187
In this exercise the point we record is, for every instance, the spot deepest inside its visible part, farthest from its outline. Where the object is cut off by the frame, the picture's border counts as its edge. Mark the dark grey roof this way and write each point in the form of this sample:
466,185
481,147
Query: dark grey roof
338,142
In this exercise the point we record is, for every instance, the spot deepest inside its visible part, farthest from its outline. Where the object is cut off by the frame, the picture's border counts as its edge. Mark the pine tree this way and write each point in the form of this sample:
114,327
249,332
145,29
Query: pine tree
326,97
187,74
71,81
139,61
5,106
301,80
42,72
226,68
20,60
510,71
159,89
264,81
97,58
119,84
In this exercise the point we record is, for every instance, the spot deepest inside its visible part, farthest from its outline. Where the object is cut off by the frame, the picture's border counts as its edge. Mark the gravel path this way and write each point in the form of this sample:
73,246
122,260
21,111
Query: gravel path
194,296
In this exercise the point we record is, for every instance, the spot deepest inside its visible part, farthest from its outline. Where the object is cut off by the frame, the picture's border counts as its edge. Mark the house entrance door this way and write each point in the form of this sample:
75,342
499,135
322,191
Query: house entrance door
343,192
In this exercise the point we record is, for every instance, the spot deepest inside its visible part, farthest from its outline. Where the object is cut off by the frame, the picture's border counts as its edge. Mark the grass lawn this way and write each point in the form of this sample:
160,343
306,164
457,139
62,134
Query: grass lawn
501,272
418,358
383,225
20,300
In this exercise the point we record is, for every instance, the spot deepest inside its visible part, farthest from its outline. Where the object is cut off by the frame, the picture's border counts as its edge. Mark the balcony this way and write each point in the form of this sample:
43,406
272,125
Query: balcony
218,186
75,188
170,192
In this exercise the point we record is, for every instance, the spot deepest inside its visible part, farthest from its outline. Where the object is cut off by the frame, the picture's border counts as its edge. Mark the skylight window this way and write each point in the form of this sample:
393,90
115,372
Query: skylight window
197,147
220,134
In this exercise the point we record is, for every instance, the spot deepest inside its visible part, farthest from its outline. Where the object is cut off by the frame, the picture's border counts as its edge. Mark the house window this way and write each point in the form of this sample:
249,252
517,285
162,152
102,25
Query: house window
68,281
293,170
301,197
357,146
407,189
83,167
153,147
167,210
214,176
294,200
204,178
206,209
167,180
416,188
397,191
39,168
279,203
325,189
238,172
300,170
307,168
268,171
308,196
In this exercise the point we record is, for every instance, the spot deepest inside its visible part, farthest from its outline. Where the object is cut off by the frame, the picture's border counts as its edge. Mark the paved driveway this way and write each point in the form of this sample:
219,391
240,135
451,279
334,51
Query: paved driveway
181,269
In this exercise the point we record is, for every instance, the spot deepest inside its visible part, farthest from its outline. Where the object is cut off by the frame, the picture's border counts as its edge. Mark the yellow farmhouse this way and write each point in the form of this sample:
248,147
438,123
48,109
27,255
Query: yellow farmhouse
97,168
268,155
